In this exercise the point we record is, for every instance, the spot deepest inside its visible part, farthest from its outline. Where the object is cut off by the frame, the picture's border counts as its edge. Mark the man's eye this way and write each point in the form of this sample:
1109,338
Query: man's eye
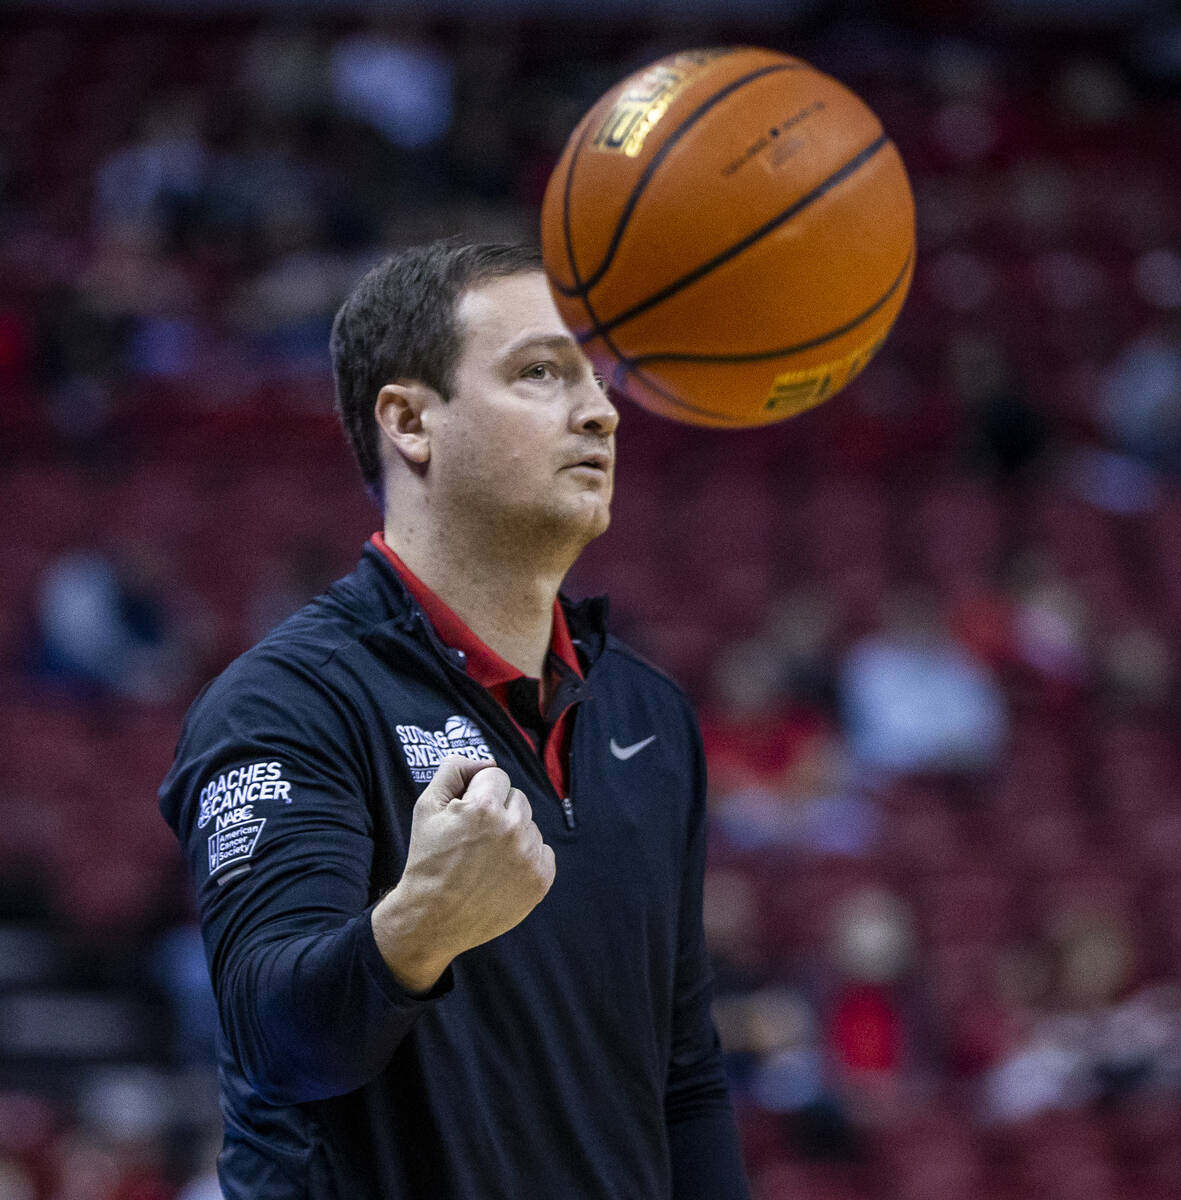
539,371
601,383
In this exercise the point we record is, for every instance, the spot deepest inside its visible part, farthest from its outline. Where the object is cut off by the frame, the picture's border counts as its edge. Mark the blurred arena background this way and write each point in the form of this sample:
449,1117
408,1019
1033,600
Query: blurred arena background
933,628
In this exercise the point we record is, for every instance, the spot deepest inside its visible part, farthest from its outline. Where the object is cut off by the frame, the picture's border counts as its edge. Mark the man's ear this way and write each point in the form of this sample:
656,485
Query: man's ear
399,415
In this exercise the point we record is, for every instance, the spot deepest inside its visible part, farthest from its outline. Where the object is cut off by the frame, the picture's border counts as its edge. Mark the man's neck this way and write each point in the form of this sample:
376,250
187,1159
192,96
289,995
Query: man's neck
506,601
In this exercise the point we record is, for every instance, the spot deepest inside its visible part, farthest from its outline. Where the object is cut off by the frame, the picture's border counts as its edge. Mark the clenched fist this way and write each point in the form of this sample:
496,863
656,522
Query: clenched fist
476,866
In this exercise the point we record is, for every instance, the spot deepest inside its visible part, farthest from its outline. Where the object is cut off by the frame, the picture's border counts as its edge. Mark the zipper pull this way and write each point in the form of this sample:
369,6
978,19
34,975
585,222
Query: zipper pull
568,810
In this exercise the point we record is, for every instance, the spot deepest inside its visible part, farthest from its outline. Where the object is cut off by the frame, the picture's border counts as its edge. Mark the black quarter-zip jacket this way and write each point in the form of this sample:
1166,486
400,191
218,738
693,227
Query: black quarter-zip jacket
573,1057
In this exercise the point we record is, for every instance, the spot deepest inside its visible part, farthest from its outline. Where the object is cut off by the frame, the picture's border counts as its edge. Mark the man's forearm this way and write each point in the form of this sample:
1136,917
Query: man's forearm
315,1015
407,947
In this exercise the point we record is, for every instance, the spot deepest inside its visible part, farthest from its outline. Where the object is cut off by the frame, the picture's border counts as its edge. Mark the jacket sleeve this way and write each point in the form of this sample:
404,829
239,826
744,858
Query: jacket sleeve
268,798
703,1137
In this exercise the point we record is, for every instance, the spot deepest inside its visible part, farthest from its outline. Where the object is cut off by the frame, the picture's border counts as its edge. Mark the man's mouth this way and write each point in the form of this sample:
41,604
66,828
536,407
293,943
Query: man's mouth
599,462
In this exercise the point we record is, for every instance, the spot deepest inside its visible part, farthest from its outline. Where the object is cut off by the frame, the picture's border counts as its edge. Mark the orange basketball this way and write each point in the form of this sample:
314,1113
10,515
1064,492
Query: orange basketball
730,234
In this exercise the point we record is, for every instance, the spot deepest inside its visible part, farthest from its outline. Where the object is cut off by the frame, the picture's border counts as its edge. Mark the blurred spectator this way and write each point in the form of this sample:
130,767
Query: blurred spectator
105,626
134,283
752,731
133,311
1140,404
1051,625
828,809
400,86
1081,1039
740,960
1006,432
180,971
1093,951
287,309
260,200
1111,481
1048,1070
913,699
801,630
867,1038
873,939
81,352
155,179
778,776
868,1043
1137,1044
776,1063
781,1031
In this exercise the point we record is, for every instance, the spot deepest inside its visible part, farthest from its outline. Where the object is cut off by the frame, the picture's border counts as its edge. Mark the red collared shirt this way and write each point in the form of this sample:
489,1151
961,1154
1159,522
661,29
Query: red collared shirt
500,677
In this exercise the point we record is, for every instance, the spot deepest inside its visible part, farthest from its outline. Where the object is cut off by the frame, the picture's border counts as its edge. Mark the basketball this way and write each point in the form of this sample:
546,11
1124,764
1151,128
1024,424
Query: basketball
730,235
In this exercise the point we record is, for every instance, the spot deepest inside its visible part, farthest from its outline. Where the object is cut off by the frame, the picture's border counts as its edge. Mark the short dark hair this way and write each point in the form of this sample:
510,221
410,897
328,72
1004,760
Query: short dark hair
399,322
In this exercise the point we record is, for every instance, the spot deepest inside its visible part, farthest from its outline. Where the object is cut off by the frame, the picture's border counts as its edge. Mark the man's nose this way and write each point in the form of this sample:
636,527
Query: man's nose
594,413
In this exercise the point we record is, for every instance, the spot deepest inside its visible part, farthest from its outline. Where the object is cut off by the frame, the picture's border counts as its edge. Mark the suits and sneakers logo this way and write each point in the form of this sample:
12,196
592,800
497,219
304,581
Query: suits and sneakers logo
425,749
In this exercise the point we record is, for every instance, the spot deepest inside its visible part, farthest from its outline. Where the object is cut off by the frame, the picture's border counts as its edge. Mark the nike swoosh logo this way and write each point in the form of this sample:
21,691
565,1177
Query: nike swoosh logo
623,753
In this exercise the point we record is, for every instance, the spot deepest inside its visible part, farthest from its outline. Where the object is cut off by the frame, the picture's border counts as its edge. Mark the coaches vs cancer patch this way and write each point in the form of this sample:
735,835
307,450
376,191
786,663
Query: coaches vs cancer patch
228,800
234,845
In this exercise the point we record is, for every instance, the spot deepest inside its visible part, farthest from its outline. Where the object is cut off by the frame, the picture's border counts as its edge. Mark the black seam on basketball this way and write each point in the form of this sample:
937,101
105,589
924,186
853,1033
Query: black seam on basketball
621,362
623,368
579,292
629,366
650,170
811,344
678,401
566,219
601,329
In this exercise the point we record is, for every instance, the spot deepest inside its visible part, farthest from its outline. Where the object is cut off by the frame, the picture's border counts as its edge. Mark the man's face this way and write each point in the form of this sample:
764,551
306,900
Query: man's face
525,447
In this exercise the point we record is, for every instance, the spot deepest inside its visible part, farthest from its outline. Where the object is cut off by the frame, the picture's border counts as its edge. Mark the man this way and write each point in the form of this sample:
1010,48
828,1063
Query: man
499,989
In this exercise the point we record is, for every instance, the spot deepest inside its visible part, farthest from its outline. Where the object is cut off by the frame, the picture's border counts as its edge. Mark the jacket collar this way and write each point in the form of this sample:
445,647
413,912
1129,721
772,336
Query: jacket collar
484,665
402,615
